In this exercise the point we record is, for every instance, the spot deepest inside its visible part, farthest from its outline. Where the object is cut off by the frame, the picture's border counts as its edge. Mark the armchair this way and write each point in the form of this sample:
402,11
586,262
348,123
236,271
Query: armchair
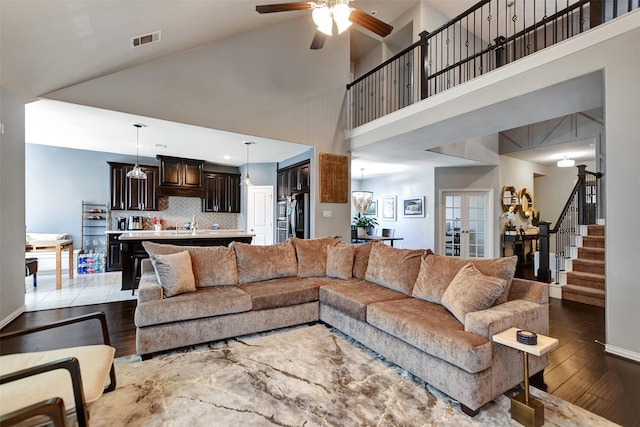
31,382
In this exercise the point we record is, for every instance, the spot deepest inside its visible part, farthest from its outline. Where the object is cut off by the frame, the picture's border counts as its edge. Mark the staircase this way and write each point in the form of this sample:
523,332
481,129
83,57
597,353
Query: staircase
585,278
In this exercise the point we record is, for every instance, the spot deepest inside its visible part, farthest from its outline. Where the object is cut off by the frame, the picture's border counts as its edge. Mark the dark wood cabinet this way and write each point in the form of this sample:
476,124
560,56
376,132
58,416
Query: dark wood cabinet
221,192
294,179
180,177
114,260
133,194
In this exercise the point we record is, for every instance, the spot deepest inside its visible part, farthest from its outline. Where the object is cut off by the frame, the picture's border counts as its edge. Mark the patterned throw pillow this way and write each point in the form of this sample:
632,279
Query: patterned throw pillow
174,273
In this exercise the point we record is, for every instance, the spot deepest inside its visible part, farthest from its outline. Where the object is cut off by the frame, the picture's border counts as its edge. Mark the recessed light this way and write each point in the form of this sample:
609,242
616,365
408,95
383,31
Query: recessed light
161,145
226,157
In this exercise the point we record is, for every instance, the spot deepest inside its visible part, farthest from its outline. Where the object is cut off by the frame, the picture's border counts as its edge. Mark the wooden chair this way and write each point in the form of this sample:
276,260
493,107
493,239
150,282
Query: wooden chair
43,380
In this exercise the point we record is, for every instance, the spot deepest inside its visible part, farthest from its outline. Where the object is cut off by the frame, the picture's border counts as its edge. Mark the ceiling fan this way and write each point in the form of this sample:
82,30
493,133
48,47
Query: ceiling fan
326,12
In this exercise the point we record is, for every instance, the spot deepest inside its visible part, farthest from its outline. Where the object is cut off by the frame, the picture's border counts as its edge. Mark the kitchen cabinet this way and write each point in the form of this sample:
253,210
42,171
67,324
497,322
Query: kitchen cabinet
180,177
294,179
114,260
133,194
221,192
283,184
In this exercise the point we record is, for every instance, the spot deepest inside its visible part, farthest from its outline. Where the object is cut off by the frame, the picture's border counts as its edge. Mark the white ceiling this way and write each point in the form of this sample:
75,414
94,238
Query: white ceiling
47,45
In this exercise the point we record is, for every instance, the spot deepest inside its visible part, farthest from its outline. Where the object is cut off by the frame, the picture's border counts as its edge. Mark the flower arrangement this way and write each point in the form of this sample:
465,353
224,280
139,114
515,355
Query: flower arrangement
157,223
509,217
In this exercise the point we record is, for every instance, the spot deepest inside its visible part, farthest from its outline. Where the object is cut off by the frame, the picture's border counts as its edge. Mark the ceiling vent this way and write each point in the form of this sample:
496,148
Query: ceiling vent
145,39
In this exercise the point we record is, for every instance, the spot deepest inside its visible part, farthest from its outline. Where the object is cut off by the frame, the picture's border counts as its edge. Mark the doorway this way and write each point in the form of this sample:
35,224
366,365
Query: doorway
260,214
466,224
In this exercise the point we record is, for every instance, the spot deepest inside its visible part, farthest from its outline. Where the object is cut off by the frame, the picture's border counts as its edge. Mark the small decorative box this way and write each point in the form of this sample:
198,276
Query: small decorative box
527,337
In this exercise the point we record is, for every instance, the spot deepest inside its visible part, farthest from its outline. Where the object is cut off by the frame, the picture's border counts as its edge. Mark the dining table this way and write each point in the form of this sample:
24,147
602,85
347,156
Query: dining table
380,238
57,246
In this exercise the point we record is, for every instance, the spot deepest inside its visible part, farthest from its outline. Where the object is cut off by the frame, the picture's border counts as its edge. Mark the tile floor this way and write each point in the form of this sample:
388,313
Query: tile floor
83,289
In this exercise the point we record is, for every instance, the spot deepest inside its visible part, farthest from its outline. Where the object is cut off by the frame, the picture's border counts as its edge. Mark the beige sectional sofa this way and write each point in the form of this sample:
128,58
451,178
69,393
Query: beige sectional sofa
429,314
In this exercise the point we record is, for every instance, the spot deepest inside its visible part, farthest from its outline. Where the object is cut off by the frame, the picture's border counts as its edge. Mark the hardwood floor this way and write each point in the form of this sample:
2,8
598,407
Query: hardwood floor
579,371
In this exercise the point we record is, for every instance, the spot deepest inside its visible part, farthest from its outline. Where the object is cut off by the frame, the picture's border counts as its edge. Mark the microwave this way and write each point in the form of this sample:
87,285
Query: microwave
282,209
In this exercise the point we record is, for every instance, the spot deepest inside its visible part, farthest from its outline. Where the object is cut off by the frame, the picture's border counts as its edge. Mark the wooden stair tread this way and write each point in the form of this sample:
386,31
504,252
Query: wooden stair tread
583,290
583,274
593,262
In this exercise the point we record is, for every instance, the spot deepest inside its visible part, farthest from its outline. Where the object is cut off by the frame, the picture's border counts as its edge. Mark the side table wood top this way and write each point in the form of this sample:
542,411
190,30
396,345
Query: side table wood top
508,338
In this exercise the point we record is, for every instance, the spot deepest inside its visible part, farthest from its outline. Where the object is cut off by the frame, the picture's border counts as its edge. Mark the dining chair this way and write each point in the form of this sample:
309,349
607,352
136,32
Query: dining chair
388,232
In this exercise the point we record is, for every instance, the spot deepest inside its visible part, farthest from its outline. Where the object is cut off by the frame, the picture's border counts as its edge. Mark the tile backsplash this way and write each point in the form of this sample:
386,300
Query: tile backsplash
178,210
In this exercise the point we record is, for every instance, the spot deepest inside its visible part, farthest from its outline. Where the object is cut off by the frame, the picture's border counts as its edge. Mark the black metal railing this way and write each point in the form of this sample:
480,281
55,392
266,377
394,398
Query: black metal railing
581,209
488,35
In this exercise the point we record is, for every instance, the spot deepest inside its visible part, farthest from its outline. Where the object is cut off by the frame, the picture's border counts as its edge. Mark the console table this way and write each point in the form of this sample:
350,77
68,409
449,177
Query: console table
525,409
58,246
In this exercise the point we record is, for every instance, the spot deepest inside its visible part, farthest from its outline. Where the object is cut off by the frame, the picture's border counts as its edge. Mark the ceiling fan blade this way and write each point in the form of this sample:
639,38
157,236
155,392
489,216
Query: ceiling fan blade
318,40
284,7
370,23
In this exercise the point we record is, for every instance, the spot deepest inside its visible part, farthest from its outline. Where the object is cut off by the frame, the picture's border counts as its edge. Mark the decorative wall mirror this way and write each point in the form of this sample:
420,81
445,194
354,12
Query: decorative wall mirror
526,201
510,199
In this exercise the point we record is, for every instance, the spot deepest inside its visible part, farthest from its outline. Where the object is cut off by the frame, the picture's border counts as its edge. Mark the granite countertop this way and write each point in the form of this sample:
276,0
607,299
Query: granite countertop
181,234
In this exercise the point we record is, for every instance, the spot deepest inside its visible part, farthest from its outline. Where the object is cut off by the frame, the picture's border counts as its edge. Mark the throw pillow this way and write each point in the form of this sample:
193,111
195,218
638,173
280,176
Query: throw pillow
174,273
470,291
312,255
256,263
393,268
340,261
437,272
361,259
212,265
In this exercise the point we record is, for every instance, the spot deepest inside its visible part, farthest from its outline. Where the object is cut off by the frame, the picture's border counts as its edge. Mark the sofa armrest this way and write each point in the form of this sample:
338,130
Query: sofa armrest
529,290
519,314
149,289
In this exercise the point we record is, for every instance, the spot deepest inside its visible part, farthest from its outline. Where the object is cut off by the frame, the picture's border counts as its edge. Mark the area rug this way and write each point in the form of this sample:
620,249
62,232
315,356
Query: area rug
303,376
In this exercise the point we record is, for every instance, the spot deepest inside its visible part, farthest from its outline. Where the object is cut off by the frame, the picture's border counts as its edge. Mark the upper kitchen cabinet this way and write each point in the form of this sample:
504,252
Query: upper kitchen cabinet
133,194
180,177
221,192
284,184
294,179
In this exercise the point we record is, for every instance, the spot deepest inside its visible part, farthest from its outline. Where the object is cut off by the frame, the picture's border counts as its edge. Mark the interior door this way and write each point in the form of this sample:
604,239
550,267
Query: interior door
466,224
260,214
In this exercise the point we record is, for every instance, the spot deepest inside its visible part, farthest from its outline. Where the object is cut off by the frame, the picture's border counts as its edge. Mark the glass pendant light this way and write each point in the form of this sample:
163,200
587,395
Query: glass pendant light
137,172
247,181
566,162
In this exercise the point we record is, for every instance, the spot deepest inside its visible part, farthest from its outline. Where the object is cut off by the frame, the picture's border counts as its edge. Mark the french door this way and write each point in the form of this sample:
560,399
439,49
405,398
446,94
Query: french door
466,224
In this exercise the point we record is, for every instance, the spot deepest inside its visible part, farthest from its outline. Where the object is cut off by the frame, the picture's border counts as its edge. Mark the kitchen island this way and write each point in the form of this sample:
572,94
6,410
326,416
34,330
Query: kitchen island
132,251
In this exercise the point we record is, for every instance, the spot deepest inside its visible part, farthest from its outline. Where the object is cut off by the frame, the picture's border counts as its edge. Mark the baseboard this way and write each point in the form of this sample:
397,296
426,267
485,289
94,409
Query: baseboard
555,291
622,352
4,322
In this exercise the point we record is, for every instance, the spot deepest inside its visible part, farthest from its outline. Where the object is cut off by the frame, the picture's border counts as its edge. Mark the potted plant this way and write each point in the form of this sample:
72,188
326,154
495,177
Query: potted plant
365,224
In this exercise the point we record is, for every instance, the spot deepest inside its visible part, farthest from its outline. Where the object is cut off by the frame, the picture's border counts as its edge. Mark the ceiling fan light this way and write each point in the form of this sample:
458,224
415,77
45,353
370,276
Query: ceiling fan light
322,18
341,14
566,162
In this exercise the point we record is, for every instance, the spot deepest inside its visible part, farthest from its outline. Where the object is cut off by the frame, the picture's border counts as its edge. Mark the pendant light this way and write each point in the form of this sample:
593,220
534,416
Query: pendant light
247,181
362,199
566,162
137,172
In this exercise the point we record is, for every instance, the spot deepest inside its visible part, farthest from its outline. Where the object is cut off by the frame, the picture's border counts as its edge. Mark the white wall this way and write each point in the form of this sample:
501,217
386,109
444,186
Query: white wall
418,233
12,228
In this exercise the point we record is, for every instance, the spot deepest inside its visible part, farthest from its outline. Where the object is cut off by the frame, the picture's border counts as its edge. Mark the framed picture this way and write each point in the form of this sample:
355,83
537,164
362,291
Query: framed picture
373,209
413,207
389,208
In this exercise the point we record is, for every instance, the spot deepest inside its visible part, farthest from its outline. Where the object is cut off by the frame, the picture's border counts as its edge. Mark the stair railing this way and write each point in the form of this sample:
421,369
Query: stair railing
488,35
581,208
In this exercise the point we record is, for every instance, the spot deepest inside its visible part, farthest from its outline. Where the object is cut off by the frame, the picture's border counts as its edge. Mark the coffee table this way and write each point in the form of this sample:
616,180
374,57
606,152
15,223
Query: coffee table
525,409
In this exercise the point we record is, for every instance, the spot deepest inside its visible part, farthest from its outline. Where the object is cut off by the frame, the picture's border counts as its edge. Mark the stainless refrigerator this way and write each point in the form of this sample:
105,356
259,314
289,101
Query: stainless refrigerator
299,216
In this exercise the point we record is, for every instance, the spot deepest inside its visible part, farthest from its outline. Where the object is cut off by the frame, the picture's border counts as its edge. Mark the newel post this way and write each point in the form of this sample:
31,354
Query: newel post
544,274
582,198
424,57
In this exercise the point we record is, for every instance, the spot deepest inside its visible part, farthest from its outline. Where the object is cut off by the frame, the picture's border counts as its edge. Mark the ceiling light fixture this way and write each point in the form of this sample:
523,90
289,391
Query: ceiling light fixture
137,172
323,13
247,181
361,199
566,162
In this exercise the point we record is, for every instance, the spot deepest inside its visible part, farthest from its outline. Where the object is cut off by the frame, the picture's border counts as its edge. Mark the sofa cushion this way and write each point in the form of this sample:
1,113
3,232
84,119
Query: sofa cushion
281,292
205,302
393,268
471,291
353,297
212,265
312,255
174,273
436,272
432,329
361,259
340,261
257,263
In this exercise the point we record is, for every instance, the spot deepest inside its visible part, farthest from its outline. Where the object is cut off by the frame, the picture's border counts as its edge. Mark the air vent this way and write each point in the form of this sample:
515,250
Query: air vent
145,39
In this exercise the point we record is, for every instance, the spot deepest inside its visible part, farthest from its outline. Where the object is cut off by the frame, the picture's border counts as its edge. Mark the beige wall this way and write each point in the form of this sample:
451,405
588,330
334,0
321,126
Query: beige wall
12,227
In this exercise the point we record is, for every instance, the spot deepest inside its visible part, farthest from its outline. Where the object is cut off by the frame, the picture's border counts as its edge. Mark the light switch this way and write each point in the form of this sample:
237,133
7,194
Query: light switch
327,214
